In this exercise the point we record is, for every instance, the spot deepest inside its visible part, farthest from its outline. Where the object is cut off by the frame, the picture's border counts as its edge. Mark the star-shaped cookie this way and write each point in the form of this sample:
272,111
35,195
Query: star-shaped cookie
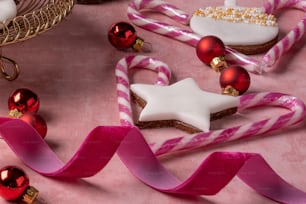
183,105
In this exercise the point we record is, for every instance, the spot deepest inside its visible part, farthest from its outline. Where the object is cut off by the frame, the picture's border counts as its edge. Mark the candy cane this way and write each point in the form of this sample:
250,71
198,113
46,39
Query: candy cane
295,105
159,27
186,36
296,115
292,37
123,85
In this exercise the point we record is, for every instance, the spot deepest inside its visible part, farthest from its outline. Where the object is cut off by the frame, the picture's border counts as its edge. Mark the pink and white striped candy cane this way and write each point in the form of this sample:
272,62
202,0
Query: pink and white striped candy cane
252,65
297,114
292,37
296,107
123,84
174,13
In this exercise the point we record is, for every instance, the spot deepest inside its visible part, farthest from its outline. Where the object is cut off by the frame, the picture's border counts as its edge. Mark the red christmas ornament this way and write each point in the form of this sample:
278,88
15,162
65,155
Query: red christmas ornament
234,80
37,122
122,35
23,100
211,50
14,185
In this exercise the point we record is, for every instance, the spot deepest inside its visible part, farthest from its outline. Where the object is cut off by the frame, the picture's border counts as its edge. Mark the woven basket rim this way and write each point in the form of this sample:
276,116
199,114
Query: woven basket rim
33,18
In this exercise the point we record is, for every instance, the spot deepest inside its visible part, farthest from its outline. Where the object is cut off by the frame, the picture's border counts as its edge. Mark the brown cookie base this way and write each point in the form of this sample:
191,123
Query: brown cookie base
254,49
176,123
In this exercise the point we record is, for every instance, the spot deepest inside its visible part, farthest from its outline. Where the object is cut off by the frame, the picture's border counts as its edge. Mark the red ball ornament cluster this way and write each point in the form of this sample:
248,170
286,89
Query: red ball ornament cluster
23,100
24,104
15,185
122,35
234,80
211,51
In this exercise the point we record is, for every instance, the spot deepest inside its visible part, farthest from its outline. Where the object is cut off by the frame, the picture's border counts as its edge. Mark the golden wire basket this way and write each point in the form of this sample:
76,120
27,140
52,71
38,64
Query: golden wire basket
33,18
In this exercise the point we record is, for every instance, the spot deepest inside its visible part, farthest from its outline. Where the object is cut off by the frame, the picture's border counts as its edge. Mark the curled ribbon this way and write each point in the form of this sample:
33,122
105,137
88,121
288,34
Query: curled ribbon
251,64
128,142
104,141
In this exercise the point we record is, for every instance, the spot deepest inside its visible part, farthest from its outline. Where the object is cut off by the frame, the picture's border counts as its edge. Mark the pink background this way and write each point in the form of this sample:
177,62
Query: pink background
71,68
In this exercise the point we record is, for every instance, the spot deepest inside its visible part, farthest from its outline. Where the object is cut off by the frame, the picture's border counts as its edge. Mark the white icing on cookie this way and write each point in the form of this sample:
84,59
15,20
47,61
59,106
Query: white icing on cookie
183,101
235,25
8,11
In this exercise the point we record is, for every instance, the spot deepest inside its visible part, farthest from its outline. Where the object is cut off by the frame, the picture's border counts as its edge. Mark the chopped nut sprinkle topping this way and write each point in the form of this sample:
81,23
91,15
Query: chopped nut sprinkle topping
238,15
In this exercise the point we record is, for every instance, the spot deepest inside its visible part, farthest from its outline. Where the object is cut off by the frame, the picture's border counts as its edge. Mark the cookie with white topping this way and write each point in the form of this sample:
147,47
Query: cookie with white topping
248,30
182,105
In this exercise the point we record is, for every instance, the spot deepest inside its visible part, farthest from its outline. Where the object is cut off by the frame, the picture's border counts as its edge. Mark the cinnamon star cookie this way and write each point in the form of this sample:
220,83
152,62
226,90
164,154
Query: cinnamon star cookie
182,105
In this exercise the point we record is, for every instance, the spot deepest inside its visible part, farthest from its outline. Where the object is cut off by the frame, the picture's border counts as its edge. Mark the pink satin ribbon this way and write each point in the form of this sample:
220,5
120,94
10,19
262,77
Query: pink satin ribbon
104,141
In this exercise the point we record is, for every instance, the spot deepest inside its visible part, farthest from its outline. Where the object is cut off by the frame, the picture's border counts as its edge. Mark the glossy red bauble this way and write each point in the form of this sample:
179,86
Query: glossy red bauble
122,35
210,47
235,77
37,122
13,183
24,100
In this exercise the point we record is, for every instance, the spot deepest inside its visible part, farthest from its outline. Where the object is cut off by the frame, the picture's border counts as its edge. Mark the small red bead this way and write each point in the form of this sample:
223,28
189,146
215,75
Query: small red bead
122,35
37,122
235,77
13,182
24,100
210,47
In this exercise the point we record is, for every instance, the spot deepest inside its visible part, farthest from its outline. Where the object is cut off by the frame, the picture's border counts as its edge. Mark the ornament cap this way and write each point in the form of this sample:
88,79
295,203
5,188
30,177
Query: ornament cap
30,195
14,113
218,63
137,46
230,91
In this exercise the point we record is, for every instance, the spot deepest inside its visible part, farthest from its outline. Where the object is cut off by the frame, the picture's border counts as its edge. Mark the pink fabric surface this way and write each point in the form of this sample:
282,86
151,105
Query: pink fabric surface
71,68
